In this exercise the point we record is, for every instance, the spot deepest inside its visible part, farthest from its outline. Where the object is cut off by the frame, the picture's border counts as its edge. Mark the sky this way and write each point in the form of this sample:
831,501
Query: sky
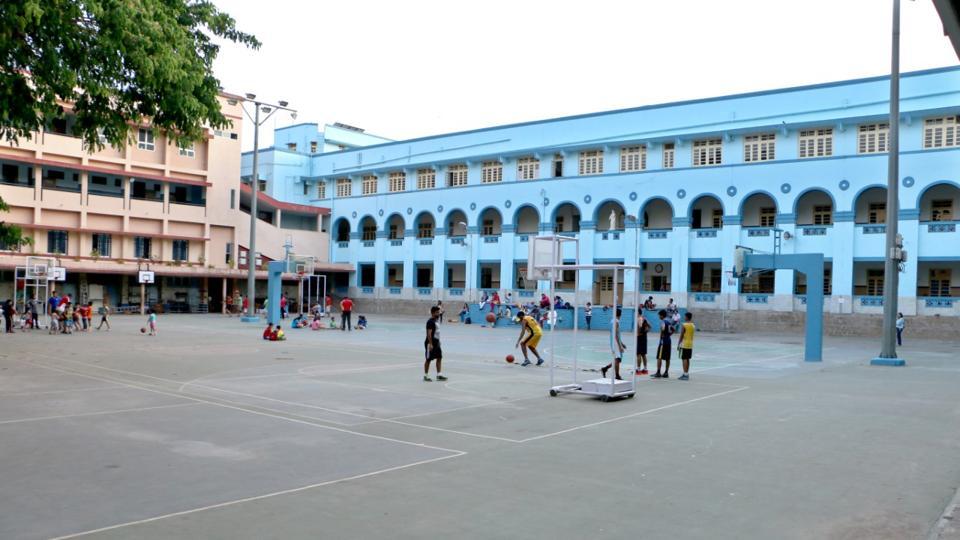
423,67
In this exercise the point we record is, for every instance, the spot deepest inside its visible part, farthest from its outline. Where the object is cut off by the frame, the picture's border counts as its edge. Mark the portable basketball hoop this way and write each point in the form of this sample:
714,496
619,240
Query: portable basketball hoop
546,263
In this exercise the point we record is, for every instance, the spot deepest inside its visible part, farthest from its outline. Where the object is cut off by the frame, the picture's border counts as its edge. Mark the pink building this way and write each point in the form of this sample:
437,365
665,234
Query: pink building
181,211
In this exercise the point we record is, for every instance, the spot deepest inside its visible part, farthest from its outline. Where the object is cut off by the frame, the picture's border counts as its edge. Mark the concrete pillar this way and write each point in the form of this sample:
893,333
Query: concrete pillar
909,229
730,236
588,237
680,261
409,237
842,262
508,280
380,272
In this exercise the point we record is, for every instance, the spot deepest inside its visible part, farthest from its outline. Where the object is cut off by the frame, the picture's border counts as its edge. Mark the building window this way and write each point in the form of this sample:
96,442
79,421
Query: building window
941,210
398,181
633,158
717,218
313,147
707,152
487,227
591,162
228,253
491,172
759,147
306,189
877,213
768,216
145,139
394,232
321,190
457,175
874,282
823,214
57,242
940,282
941,132
181,250
872,138
369,233
141,247
292,146
187,149
528,168
426,179
343,187
425,230
668,153
101,244
557,165
816,142
368,185
558,224
233,199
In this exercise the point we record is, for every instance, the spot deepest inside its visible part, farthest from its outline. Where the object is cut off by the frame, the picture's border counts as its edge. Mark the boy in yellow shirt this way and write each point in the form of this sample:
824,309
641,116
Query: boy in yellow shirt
529,326
687,330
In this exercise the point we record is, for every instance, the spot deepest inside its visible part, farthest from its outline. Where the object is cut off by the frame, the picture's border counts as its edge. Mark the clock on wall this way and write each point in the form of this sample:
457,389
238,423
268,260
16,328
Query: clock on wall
658,268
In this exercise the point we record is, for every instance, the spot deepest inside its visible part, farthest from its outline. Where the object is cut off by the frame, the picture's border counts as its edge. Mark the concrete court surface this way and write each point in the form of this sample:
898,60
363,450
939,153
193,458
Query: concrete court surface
205,431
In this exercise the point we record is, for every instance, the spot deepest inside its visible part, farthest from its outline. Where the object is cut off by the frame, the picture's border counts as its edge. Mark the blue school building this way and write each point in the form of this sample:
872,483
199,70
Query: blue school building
673,188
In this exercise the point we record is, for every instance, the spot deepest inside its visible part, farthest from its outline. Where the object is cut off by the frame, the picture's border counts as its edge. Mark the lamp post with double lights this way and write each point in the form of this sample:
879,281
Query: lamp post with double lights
269,109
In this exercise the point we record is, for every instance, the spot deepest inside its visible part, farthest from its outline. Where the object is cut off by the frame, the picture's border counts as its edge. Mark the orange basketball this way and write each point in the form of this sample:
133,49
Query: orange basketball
510,358
491,318
143,330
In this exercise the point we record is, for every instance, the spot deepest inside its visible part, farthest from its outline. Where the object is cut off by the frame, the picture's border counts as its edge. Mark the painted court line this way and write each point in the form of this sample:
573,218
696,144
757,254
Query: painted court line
98,413
641,413
46,392
256,498
246,410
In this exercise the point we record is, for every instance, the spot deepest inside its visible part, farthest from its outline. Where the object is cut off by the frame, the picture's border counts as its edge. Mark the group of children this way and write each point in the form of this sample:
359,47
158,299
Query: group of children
66,317
664,346
316,322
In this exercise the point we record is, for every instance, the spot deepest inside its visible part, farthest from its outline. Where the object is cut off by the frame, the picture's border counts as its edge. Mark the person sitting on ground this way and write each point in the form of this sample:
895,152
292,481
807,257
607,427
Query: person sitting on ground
361,322
278,334
268,332
316,324
648,303
464,312
298,322
483,300
333,322
544,301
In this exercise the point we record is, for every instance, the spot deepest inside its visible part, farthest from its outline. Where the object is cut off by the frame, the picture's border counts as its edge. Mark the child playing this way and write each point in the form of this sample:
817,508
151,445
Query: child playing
152,322
268,332
362,321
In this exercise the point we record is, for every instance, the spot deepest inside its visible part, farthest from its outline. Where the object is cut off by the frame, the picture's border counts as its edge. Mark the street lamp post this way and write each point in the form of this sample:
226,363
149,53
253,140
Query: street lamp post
269,109
893,254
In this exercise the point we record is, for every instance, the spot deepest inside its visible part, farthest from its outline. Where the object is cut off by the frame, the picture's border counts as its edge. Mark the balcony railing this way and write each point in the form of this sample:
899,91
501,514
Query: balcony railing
491,239
424,291
426,241
705,297
938,302
941,227
874,229
755,298
657,235
707,233
873,301
758,232
395,290
343,244
396,242
814,231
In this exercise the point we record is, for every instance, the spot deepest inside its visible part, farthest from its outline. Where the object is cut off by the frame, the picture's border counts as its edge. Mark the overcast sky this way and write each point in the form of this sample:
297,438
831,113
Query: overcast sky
415,68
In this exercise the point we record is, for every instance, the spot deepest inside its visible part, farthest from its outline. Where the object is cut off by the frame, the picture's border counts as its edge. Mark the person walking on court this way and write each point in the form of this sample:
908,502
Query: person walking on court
901,324
588,314
9,311
616,347
663,349
531,329
346,307
431,346
643,328
104,315
687,330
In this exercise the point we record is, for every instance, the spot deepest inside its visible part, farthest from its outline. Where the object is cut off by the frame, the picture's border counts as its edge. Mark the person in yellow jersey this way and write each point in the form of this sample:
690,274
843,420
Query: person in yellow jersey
687,330
530,334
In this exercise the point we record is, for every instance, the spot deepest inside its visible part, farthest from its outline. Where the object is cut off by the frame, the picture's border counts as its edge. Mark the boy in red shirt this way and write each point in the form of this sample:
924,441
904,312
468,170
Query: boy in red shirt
346,306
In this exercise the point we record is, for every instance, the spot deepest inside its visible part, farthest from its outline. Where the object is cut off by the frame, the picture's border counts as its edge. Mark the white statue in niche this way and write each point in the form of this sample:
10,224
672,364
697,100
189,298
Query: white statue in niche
613,220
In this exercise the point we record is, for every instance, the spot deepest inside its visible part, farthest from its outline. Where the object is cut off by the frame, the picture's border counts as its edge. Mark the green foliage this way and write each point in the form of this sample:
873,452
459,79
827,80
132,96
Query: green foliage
10,235
118,61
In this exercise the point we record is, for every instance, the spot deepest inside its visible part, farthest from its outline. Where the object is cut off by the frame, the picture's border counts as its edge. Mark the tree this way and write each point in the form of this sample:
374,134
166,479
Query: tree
116,62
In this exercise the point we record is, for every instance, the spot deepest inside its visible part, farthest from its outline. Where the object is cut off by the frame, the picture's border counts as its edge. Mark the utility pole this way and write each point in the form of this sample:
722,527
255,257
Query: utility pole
270,109
894,245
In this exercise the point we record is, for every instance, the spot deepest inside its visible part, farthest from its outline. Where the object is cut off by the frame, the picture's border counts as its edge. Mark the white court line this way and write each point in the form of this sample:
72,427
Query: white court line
256,498
98,413
238,408
648,411
45,392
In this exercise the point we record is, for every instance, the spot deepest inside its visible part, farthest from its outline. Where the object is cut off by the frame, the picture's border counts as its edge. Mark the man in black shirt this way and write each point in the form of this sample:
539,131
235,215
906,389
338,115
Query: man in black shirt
431,345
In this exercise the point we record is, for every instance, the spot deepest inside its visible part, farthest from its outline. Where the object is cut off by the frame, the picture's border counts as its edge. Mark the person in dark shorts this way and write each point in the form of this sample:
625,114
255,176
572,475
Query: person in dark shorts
643,328
685,345
431,346
663,349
